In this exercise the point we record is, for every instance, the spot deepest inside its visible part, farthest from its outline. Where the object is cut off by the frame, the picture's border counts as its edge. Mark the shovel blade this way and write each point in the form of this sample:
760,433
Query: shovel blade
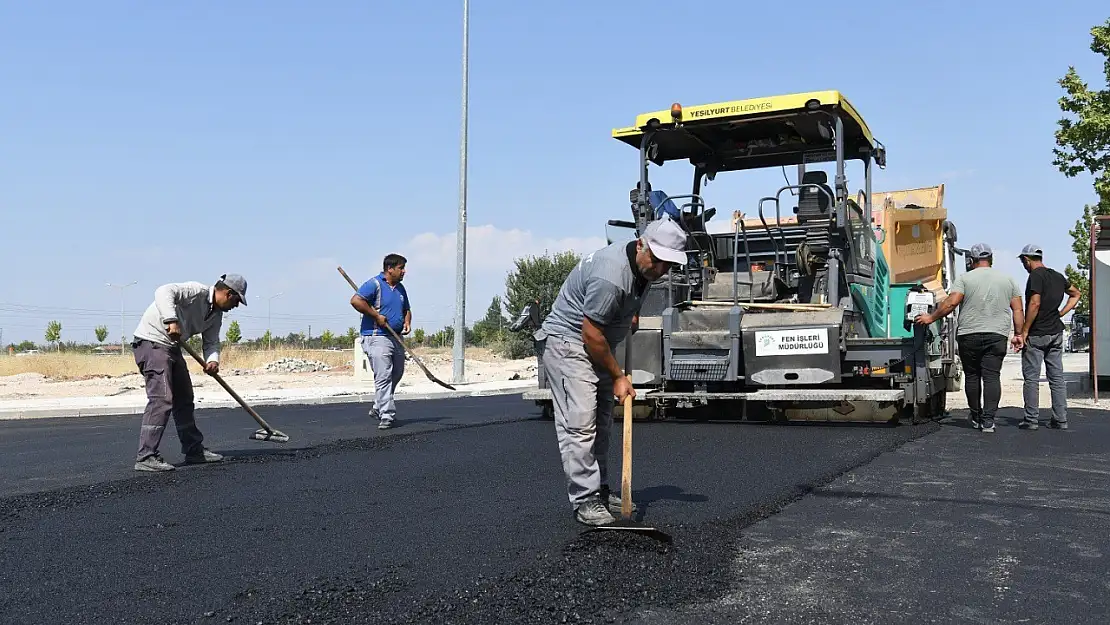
628,525
273,436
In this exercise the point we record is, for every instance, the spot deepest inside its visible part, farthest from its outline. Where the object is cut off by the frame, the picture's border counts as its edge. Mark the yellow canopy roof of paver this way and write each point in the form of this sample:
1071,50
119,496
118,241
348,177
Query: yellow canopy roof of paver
757,132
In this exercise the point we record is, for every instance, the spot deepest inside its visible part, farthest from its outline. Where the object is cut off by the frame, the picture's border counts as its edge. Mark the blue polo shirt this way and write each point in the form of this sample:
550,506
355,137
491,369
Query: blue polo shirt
391,302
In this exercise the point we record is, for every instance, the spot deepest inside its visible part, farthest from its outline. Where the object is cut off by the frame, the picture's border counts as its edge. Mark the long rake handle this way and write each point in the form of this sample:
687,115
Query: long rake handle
400,340
227,388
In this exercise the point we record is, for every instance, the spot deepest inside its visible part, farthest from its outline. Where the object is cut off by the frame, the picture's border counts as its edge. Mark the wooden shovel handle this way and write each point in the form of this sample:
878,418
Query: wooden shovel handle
626,468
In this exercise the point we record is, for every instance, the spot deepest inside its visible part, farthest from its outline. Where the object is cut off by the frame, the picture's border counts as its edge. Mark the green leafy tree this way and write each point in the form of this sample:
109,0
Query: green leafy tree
419,336
267,337
491,329
101,333
534,278
352,337
327,338
234,333
197,344
1083,145
53,331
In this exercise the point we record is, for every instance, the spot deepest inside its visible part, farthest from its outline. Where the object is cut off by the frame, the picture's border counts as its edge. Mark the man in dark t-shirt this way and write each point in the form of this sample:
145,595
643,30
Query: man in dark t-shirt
1043,337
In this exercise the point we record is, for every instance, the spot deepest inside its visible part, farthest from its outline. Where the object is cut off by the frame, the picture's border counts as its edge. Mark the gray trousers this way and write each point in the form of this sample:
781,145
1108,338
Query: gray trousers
1048,349
169,390
583,401
387,361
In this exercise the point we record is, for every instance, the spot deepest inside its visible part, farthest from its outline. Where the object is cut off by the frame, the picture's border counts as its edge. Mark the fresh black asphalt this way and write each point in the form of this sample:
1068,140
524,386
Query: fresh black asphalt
458,516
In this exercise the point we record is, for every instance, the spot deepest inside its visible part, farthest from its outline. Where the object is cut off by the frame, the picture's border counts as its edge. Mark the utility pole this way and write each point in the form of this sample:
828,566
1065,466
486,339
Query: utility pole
122,328
459,351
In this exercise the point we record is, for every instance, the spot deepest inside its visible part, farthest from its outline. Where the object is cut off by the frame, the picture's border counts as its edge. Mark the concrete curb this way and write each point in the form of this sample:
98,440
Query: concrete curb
103,411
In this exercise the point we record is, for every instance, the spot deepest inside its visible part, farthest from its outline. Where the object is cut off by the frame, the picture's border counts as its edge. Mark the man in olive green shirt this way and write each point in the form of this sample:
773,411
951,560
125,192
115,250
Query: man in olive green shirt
990,312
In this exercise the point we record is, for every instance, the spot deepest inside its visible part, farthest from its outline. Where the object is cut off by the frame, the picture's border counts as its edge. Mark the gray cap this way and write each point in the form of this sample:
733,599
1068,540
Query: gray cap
236,283
1031,250
981,250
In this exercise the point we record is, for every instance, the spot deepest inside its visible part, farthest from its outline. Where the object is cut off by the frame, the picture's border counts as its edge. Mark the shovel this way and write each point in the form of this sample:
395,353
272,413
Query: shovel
267,433
625,523
401,341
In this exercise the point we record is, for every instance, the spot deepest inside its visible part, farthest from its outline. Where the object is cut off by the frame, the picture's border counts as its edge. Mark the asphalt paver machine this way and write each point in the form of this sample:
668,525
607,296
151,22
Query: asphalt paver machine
797,316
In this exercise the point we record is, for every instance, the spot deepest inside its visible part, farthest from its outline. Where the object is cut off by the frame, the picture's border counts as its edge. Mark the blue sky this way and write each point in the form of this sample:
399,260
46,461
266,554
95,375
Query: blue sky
166,141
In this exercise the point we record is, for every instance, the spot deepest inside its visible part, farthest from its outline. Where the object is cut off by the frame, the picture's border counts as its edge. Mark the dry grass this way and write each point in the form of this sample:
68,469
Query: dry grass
71,366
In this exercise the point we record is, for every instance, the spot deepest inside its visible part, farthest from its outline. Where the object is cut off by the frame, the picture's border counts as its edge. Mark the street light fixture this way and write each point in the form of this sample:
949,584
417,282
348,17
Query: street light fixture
122,329
269,301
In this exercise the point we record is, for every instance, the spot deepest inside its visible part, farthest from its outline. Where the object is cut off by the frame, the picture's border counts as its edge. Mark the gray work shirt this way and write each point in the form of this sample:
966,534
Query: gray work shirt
190,304
606,287
986,306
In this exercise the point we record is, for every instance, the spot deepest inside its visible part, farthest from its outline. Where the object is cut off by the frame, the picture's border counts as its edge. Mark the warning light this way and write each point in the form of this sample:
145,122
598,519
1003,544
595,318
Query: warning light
676,111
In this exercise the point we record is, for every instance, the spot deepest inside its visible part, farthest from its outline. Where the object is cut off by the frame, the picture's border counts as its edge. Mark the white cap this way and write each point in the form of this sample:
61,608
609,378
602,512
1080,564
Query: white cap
667,240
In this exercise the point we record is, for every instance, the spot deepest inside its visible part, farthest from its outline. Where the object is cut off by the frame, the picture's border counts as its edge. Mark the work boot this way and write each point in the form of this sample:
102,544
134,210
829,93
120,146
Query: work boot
153,463
1058,425
593,512
614,501
204,457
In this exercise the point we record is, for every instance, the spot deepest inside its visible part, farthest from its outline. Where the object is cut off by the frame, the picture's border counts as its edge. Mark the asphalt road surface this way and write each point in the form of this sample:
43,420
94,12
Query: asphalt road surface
457,516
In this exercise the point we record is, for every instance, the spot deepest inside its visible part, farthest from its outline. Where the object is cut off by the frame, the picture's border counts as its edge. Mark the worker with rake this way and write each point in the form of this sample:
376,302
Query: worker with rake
596,308
179,311
384,304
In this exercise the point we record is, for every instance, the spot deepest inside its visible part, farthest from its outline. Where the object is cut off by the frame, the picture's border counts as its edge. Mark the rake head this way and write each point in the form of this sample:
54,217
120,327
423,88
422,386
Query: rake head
272,436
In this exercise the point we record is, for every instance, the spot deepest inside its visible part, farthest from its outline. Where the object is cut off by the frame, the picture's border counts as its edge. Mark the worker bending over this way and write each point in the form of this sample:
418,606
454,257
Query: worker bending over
990,306
595,310
179,311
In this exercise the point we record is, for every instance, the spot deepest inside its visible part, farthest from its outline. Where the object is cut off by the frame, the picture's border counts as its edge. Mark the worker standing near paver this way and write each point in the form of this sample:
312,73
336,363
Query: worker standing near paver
179,311
989,300
595,310
1043,337
383,301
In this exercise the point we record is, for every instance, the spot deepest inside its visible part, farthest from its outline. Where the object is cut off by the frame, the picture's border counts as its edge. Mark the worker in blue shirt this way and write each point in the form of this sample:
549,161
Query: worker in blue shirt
383,301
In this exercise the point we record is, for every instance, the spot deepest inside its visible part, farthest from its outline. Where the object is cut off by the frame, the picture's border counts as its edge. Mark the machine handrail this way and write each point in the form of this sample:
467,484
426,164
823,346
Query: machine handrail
748,257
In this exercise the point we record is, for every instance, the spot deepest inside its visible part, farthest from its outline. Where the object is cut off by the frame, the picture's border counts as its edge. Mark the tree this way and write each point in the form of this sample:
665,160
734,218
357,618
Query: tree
534,278
101,333
327,338
234,333
492,327
53,331
418,336
266,338
1084,145
1079,275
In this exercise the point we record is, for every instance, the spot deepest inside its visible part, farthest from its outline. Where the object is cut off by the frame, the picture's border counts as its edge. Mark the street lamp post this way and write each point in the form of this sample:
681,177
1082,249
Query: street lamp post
269,301
459,350
122,329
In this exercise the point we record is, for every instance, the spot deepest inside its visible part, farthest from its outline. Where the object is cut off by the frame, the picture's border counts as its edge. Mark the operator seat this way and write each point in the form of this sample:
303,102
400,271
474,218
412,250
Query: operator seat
813,204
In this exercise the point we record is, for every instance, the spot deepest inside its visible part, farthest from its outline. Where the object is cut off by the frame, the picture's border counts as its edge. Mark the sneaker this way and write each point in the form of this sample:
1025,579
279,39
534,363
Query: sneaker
614,501
593,512
1058,425
204,457
153,463
988,429
385,424
1029,425
974,421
